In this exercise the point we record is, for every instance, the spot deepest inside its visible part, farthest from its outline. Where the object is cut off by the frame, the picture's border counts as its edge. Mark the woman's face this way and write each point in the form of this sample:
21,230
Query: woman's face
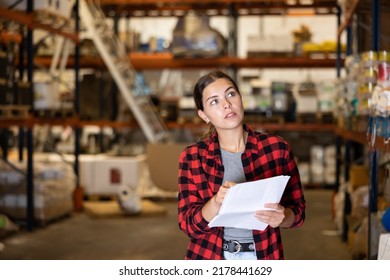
222,105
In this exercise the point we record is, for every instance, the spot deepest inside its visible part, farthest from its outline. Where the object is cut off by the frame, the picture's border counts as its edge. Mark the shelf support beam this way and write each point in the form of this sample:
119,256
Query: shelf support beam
372,252
78,193
29,135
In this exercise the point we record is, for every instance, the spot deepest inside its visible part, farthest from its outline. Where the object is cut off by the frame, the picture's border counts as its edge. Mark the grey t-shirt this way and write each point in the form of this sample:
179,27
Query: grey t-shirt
234,172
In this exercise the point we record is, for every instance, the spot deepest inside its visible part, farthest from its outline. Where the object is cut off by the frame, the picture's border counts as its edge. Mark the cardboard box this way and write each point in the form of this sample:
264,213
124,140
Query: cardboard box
163,163
358,176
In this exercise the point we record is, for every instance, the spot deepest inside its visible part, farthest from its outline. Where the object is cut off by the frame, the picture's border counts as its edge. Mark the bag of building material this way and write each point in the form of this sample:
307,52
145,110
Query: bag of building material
54,183
129,199
6,225
194,37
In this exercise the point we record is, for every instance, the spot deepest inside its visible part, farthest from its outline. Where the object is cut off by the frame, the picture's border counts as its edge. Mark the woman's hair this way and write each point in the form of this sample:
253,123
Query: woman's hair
206,80
202,83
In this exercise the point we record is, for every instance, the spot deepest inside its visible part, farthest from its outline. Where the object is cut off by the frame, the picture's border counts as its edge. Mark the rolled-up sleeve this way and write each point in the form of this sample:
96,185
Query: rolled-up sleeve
293,196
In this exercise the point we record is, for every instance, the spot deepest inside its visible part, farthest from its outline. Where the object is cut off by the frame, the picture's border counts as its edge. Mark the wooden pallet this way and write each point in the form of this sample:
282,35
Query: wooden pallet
100,197
111,209
14,111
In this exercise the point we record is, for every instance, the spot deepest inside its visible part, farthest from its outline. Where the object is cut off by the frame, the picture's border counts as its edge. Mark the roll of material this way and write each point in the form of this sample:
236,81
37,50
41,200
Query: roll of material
129,199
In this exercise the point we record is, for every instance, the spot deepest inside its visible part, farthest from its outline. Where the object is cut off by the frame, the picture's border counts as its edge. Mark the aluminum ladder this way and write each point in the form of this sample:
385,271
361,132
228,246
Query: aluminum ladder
118,63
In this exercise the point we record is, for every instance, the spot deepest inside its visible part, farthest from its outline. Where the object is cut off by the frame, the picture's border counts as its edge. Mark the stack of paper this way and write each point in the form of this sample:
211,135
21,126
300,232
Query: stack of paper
243,200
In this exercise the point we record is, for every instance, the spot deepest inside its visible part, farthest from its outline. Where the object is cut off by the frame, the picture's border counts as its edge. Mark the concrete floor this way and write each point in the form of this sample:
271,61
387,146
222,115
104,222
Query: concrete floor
82,237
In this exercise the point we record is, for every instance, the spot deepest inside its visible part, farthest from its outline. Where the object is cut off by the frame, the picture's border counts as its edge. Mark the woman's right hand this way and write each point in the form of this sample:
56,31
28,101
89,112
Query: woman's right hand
211,208
220,195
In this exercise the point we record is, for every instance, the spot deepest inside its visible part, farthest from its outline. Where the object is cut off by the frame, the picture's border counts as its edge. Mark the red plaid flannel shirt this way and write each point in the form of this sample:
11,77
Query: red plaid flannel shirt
201,174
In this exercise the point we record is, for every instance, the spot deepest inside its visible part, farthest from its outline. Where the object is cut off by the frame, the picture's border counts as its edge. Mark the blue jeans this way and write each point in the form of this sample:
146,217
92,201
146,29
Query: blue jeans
240,255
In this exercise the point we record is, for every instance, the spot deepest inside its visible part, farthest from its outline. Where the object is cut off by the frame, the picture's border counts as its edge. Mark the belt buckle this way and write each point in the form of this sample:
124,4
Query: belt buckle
237,246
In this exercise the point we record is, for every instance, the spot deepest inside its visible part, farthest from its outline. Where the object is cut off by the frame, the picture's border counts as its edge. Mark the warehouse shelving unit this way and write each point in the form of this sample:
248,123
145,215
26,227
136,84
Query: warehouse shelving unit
164,8
158,61
374,144
233,9
141,61
29,20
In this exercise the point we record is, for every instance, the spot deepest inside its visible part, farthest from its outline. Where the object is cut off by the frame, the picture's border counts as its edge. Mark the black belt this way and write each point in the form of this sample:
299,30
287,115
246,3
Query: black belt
233,246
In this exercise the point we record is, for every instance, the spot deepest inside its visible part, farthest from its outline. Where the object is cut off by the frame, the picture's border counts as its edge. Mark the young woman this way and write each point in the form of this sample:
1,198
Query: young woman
233,153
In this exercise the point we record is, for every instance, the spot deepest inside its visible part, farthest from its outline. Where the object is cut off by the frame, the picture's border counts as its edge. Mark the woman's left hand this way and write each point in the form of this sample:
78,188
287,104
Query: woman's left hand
273,217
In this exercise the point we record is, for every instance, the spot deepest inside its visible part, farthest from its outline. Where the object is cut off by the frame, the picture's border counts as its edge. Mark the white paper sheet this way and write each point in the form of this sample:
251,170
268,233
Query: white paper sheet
241,202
